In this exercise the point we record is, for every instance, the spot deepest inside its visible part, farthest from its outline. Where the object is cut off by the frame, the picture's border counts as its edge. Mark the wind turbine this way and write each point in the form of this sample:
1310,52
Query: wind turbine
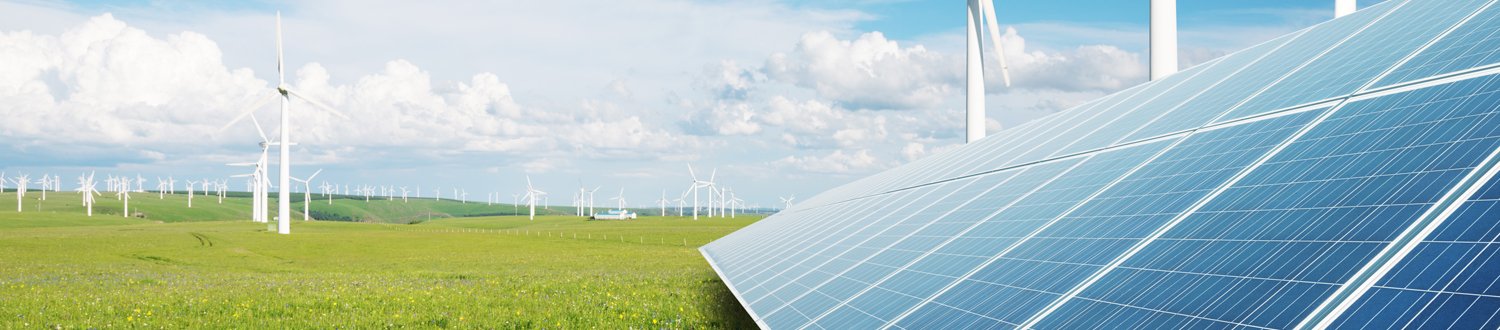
286,92
190,185
140,183
86,187
620,200
591,199
46,185
21,182
787,201
531,194
257,191
124,195
307,192
403,194
663,202
697,184
982,11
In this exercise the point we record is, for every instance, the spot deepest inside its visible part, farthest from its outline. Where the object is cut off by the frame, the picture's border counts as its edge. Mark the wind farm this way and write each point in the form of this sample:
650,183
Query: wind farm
750,164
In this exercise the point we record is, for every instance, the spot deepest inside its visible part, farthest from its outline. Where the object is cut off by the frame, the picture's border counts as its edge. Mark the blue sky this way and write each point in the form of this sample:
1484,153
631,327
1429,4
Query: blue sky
782,97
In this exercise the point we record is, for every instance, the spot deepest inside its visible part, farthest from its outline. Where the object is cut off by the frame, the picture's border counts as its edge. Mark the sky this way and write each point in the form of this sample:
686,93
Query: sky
773,97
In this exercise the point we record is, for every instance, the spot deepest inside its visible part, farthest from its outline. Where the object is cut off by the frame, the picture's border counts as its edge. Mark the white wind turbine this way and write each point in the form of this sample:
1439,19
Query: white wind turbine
531,195
980,11
21,182
46,185
307,192
140,183
190,185
463,196
590,200
787,202
663,203
699,184
619,200
86,188
257,190
124,195
404,191
285,93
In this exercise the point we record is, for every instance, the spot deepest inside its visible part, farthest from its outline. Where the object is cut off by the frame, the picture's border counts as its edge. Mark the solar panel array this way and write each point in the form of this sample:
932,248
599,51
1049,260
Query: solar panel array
1339,176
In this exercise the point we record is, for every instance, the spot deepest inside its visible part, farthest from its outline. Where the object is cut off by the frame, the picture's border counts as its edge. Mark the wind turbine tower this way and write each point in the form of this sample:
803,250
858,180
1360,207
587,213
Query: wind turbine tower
980,11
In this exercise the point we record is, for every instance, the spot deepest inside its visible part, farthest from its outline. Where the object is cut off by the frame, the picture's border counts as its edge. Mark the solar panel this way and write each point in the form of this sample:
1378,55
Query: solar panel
1337,176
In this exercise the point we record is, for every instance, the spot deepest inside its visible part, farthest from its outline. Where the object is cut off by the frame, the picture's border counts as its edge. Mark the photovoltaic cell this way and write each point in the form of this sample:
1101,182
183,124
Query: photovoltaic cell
1270,248
1265,189
1358,60
1449,281
1019,284
1472,45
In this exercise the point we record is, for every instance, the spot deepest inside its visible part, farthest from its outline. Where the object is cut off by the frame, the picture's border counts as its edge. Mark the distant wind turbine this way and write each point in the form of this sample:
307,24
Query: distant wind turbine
307,193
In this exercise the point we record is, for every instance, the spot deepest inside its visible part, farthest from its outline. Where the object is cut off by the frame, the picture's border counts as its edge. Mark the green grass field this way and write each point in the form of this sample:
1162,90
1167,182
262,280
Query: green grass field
171,270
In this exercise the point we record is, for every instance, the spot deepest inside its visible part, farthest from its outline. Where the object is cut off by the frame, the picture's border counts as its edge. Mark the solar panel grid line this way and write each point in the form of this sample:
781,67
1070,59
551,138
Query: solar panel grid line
854,220
1441,79
1033,233
1101,172
1182,78
859,243
867,239
1185,315
1304,64
1448,284
796,232
733,292
1457,51
963,166
1012,202
1127,137
1397,250
1136,248
1041,161
767,255
1169,173
1083,108
1476,155
1367,54
953,179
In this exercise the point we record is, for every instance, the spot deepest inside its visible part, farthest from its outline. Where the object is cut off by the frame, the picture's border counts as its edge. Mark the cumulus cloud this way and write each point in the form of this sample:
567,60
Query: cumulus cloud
837,162
873,72
104,82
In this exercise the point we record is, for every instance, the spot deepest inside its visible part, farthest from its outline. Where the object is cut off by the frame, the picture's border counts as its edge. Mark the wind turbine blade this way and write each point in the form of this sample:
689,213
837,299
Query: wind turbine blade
994,30
690,172
248,111
260,131
280,72
315,174
320,105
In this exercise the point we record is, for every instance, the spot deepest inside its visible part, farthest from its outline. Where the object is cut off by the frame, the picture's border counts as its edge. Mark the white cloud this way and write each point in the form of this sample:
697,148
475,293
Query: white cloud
837,162
108,83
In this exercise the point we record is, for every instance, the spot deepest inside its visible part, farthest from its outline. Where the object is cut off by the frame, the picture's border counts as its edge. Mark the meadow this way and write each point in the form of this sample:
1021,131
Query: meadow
60,269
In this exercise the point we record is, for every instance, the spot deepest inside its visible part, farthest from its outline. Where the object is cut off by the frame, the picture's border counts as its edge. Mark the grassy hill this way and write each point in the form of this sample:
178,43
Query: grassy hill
59,268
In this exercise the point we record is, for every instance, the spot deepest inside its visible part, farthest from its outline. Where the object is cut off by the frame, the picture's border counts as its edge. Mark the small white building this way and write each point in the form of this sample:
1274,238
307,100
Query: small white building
614,215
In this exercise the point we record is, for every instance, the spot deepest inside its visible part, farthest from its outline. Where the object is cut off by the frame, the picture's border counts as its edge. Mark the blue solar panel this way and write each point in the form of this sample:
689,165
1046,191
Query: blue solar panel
1007,291
1267,189
1448,281
1269,249
1355,62
1472,45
